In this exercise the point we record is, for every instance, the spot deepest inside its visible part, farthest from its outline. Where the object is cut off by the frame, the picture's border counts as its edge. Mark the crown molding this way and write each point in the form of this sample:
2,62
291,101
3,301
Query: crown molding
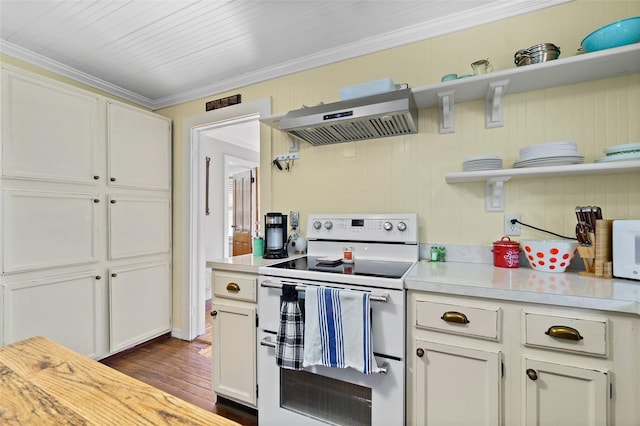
479,16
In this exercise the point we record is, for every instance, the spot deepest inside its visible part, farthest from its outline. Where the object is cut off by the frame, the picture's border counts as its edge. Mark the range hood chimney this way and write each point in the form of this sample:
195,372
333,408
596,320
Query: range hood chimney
377,116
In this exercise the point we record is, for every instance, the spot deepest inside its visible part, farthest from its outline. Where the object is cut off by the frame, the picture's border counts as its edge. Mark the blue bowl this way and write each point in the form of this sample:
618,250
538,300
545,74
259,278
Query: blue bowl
616,34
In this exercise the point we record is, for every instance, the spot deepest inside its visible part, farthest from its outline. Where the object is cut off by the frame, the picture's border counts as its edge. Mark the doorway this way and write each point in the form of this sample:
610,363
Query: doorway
199,134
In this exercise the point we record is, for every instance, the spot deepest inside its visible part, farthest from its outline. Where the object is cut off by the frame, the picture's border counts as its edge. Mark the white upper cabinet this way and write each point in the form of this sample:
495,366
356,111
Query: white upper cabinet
48,229
139,146
138,226
49,132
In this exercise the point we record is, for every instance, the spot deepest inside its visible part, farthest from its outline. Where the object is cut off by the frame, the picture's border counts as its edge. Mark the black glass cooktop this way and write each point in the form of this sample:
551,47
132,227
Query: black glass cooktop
372,268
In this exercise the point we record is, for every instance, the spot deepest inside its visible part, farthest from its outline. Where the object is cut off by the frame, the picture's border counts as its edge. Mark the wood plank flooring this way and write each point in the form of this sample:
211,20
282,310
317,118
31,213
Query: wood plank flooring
182,369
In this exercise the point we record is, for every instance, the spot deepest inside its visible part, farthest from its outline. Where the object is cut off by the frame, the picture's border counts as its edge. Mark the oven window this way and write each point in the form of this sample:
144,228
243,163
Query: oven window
325,399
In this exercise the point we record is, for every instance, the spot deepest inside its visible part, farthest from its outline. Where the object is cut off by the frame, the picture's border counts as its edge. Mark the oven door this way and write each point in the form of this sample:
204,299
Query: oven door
321,395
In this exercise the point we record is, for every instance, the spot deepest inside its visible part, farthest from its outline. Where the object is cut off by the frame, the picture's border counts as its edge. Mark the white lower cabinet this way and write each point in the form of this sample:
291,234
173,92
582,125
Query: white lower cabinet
140,300
234,336
557,394
546,366
66,309
457,385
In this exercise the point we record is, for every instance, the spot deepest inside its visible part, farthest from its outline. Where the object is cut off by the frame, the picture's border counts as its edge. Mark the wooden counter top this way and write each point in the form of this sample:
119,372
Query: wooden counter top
42,382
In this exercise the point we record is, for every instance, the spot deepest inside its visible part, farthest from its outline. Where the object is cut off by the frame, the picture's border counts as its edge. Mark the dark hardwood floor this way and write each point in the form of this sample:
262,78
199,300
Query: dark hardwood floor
182,369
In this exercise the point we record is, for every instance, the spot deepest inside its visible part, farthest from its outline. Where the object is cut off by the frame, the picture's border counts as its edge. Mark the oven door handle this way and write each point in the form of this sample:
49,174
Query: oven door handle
269,284
267,342
271,344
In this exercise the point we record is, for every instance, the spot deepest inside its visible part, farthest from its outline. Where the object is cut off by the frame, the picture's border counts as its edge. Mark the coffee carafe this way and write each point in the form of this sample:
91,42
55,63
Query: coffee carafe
275,236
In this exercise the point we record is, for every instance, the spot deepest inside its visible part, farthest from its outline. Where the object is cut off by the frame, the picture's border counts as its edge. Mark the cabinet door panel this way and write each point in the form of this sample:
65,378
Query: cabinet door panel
565,395
138,226
140,302
48,131
457,386
66,309
234,352
139,149
47,229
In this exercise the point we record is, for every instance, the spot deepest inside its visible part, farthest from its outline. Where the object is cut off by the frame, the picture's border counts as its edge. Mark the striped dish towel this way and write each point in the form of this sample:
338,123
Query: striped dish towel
289,339
337,329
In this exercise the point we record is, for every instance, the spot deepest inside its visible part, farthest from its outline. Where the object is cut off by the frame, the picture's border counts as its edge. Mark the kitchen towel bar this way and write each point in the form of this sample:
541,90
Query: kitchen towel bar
269,284
271,344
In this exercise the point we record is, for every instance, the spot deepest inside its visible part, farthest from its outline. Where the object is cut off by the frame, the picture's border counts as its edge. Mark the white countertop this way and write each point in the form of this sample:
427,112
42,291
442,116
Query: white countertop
245,263
525,285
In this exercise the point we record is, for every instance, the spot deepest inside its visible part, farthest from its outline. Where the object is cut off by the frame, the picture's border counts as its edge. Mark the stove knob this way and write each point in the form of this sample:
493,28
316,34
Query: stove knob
388,226
317,224
328,225
402,226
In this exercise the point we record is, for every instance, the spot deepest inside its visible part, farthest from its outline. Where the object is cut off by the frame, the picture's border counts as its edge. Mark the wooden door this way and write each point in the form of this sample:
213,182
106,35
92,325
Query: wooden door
242,211
557,394
457,386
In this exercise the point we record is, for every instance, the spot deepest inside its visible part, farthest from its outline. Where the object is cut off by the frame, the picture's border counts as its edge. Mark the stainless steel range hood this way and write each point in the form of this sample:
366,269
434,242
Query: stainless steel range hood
377,116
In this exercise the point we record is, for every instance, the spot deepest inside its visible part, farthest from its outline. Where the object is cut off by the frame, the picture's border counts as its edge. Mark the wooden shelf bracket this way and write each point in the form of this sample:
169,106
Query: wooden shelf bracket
447,105
494,194
494,104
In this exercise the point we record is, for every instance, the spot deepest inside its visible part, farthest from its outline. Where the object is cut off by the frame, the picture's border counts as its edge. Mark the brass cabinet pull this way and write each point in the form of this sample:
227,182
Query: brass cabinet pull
420,352
96,200
531,373
96,177
114,275
233,287
113,201
563,332
457,317
214,313
112,179
98,277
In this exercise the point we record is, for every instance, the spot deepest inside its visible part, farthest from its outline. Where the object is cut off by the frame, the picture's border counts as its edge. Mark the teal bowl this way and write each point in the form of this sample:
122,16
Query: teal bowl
616,34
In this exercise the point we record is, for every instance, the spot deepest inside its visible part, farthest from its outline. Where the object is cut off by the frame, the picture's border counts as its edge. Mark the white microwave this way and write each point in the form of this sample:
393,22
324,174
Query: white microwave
626,249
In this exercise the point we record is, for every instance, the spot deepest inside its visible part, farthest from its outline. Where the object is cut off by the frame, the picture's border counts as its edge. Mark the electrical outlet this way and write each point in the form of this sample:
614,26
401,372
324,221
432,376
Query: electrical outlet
511,229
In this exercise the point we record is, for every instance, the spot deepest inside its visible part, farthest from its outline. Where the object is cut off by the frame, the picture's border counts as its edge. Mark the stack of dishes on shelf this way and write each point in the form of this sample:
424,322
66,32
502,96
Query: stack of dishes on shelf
549,154
629,151
483,162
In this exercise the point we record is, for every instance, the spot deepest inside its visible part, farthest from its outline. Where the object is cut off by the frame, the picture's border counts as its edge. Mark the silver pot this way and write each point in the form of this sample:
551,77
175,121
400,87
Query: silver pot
535,54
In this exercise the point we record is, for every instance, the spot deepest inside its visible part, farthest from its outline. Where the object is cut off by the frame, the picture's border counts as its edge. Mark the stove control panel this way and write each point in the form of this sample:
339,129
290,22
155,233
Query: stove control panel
397,228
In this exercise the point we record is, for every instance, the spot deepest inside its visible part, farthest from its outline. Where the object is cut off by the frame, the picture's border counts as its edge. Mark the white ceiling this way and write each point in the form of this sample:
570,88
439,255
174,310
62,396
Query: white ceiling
159,53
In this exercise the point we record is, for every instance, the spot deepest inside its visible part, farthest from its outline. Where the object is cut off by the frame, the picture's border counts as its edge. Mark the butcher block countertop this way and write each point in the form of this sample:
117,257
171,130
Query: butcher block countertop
42,382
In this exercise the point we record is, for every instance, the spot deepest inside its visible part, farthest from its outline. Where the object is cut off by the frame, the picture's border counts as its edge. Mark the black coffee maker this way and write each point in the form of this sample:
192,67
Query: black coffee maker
275,236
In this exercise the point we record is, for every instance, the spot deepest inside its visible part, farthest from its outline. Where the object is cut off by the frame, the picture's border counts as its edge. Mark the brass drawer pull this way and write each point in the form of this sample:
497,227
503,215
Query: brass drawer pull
96,177
563,332
112,179
420,352
233,287
214,313
457,317
531,373
96,200
114,275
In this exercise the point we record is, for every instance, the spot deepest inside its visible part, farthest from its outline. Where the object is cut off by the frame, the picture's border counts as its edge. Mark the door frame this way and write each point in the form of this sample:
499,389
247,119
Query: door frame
192,261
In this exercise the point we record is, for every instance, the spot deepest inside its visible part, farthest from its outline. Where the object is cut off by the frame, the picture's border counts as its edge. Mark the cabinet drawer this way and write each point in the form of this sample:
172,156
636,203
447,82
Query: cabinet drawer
459,319
566,333
234,286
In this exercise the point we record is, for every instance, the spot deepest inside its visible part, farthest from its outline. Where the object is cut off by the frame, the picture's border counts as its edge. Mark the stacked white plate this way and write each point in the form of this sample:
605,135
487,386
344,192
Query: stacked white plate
483,162
629,151
549,154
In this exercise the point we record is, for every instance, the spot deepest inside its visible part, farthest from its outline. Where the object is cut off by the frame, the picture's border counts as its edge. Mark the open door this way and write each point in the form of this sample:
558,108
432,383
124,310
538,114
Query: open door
244,208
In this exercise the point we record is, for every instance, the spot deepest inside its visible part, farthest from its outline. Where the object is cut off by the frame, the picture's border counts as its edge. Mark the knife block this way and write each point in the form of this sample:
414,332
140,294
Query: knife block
597,257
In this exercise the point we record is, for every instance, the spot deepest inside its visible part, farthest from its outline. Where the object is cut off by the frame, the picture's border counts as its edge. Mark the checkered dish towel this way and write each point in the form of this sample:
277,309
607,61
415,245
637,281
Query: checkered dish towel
289,340
338,329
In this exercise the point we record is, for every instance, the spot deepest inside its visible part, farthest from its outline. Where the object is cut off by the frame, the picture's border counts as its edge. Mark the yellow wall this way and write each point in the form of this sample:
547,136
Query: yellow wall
406,174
